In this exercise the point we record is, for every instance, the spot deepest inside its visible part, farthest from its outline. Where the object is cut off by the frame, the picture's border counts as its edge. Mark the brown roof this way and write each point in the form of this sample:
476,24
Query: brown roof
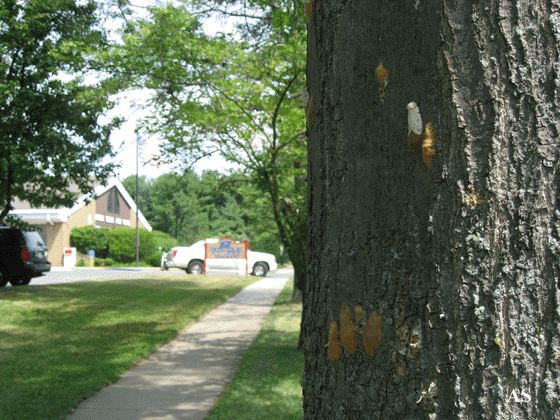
17,204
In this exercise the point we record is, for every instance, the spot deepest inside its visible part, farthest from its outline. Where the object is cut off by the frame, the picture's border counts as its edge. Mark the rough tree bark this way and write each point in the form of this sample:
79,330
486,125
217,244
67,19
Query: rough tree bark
433,291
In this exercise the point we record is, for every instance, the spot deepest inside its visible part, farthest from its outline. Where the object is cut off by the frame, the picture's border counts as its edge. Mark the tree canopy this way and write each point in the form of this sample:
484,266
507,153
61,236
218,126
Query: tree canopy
190,207
219,94
51,133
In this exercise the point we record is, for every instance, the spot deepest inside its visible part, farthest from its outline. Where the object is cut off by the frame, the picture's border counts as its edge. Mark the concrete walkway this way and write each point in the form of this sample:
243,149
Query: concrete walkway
184,378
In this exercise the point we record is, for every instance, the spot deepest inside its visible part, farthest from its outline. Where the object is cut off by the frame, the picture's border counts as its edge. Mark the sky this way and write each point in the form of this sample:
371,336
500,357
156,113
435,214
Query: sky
127,152
124,142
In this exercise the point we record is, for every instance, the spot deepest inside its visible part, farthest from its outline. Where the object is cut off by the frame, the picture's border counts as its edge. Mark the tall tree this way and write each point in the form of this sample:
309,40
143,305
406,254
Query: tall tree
51,135
240,99
434,281
144,193
177,208
171,204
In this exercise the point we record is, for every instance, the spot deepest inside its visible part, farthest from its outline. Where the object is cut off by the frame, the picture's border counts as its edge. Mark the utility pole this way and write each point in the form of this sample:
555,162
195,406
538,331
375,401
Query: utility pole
137,206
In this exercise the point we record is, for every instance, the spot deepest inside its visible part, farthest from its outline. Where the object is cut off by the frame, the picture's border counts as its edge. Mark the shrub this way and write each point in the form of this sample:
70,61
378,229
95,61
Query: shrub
109,262
81,263
164,240
122,244
97,262
155,260
90,237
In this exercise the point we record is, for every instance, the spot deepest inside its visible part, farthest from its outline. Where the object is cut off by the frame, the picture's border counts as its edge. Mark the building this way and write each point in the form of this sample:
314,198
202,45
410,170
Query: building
113,207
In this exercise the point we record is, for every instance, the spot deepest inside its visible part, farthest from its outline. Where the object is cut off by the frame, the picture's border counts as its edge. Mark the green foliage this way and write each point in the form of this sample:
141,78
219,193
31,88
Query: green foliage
90,237
155,260
144,189
229,220
51,135
164,240
80,263
14,221
97,262
270,243
177,207
171,204
218,205
240,99
122,244
109,262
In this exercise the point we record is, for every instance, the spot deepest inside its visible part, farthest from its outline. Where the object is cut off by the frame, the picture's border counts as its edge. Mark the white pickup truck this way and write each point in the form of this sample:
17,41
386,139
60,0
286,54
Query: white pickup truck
191,259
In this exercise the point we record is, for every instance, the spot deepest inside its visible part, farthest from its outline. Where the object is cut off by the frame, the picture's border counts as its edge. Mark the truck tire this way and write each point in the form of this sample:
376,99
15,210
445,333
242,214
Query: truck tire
260,269
195,267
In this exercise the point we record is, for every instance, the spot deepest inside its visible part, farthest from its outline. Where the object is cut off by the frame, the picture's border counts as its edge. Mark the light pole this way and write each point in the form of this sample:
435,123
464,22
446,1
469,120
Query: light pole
137,206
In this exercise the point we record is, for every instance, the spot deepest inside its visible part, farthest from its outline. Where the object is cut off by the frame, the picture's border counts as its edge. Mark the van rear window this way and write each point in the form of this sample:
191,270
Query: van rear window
33,238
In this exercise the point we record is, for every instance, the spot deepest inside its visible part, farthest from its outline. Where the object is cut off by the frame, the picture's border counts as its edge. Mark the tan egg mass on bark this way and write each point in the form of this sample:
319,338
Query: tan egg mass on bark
429,145
334,349
372,333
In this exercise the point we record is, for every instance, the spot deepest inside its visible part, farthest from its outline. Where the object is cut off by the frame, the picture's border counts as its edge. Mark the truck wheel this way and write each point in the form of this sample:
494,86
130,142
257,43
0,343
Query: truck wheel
195,267
260,269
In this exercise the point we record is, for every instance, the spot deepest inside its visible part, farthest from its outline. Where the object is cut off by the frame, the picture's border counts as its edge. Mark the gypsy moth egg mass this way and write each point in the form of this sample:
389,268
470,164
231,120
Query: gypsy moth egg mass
334,350
382,75
428,147
372,333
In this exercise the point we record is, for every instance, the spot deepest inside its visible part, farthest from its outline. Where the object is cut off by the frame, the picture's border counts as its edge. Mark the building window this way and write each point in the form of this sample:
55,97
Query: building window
110,201
113,205
117,206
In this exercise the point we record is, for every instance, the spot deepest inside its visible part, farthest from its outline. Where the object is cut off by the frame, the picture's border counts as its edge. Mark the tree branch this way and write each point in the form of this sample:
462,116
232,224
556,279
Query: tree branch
277,109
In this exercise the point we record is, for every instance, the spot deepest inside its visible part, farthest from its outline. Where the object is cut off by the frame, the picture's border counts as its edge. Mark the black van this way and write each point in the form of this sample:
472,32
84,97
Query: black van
23,255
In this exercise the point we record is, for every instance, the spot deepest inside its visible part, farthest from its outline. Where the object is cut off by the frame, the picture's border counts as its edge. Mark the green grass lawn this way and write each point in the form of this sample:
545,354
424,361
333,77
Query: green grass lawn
267,384
62,343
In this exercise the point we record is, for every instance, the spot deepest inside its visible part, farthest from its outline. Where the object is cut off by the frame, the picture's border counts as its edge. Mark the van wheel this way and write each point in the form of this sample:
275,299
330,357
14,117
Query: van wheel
260,269
20,281
195,267
3,279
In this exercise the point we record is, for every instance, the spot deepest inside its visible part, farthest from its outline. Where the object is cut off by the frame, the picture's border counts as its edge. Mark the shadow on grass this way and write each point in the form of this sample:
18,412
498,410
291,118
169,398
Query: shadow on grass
62,343
266,387
267,384
52,374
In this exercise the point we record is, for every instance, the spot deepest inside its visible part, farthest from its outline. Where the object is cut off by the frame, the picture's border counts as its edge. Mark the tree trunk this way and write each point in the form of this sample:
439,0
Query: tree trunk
295,245
433,285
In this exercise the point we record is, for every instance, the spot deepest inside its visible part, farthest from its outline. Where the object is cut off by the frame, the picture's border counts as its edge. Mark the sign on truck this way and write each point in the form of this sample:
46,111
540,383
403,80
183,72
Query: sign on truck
226,249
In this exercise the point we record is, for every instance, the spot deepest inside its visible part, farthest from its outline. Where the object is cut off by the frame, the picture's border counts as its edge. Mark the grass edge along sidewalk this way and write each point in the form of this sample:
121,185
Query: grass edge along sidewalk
267,383
63,343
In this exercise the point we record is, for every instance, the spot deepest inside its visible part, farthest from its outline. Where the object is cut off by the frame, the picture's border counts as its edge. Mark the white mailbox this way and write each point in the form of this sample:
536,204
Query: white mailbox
69,258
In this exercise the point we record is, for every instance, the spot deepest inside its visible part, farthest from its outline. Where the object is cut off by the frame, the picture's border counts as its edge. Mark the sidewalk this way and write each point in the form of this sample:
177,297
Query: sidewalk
184,378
